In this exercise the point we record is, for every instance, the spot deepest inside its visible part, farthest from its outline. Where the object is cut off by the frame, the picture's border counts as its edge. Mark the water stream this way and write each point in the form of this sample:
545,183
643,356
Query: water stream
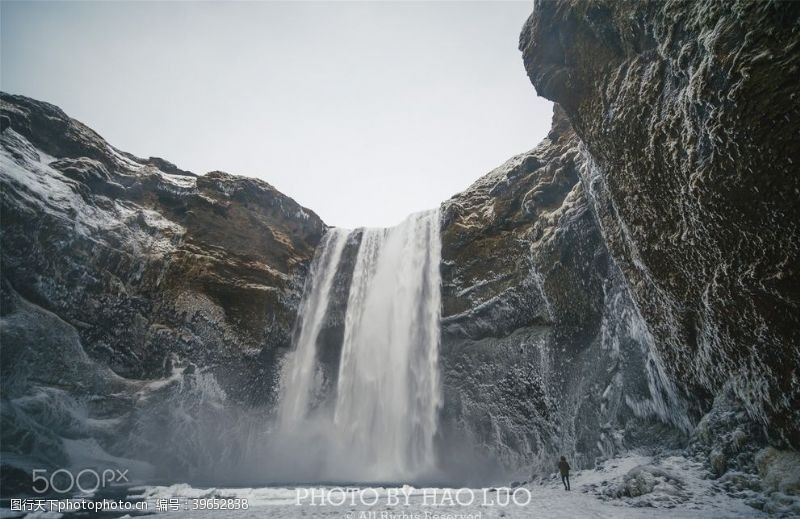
381,424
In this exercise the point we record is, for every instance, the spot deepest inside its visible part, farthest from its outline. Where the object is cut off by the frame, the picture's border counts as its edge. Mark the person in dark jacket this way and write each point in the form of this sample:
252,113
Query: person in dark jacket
563,467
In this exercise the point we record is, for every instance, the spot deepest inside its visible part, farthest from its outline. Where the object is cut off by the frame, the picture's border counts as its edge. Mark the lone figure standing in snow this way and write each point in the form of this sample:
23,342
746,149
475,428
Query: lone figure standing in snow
563,467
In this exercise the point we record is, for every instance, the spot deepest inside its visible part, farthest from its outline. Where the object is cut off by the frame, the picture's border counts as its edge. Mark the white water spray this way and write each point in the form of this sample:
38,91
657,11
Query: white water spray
384,416
388,390
299,381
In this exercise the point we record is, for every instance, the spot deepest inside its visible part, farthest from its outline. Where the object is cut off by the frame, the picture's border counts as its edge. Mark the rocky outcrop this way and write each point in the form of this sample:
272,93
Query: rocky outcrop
688,118
162,277
543,351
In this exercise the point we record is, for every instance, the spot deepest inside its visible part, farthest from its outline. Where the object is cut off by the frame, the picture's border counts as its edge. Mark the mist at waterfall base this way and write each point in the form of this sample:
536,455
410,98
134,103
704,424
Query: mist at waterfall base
377,421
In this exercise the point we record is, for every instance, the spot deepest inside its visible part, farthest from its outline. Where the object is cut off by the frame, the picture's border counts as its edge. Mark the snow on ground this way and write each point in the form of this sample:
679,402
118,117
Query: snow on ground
630,487
622,488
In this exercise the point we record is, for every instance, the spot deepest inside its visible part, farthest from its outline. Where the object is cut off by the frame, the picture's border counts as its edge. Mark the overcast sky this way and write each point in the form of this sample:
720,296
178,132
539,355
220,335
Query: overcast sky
363,112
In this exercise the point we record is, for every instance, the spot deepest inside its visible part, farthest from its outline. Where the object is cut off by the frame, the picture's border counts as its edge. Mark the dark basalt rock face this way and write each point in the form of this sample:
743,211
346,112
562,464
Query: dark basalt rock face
689,117
160,276
543,351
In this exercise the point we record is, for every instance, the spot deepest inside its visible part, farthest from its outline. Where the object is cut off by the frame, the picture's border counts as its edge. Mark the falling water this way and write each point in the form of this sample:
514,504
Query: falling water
383,419
299,380
388,389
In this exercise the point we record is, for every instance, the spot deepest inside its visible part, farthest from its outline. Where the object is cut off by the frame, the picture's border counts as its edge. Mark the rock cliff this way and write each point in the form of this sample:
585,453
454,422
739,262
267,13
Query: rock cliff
688,117
145,272
632,281
543,350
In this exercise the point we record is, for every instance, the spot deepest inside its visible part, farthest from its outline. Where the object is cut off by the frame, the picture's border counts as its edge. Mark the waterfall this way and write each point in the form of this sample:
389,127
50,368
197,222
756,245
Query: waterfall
299,381
388,388
381,424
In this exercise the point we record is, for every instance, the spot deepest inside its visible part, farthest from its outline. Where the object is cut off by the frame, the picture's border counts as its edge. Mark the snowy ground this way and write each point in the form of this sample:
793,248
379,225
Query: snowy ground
623,488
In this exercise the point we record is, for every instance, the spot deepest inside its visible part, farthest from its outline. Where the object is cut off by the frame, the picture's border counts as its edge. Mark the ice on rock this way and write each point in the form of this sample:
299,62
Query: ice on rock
780,480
